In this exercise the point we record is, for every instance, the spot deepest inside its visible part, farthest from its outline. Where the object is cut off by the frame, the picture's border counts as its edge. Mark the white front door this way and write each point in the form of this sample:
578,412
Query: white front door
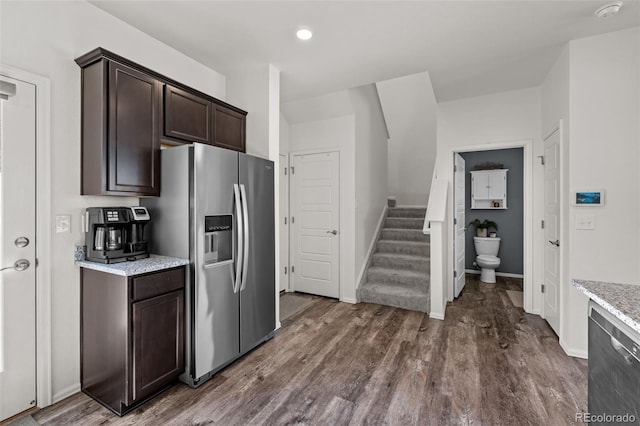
17,247
315,224
460,226
551,296
284,222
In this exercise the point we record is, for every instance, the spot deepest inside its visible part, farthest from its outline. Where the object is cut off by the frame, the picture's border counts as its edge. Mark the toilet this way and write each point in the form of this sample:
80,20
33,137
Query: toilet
487,257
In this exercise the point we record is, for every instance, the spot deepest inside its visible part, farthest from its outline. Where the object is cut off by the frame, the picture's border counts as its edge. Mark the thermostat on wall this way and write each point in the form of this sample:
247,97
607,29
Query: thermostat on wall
588,198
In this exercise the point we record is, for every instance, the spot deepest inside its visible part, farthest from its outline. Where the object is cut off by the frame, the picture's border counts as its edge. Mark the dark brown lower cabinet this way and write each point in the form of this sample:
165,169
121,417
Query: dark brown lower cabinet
132,335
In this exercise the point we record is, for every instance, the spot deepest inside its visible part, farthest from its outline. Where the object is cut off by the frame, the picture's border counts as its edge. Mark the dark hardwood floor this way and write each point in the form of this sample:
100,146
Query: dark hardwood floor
334,363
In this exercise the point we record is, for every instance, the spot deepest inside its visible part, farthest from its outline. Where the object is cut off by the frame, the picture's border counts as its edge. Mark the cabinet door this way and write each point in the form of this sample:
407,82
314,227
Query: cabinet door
229,128
481,186
158,343
133,159
186,116
497,185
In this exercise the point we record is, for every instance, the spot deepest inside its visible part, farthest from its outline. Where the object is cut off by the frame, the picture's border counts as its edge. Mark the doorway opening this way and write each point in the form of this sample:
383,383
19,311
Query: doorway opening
497,185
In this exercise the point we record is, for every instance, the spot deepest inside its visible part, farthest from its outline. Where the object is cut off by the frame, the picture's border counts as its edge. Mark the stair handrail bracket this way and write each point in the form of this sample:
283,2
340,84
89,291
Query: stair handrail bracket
434,225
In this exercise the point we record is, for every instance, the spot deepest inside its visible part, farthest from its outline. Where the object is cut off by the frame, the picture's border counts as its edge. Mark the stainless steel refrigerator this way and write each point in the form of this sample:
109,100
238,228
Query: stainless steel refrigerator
216,208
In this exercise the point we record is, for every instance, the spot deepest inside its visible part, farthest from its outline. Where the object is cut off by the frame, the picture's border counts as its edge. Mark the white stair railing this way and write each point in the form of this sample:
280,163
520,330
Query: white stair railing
434,225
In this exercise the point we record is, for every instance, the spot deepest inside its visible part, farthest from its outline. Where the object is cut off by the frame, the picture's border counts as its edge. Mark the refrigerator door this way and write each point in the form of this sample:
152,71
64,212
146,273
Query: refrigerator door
257,295
216,320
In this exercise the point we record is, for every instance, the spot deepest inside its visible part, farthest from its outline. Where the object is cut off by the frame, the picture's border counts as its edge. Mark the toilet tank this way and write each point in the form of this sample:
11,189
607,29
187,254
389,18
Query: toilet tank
487,246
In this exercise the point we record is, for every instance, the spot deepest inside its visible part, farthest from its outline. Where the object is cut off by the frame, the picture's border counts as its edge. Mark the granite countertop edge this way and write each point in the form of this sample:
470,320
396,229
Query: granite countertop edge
600,299
153,263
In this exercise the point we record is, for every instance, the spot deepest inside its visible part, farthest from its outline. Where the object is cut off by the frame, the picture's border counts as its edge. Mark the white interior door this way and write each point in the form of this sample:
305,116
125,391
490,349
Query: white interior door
551,296
315,224
459,224
284,222
17,248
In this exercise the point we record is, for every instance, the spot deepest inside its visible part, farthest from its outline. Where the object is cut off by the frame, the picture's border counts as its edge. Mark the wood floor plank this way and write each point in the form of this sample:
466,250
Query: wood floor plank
487,363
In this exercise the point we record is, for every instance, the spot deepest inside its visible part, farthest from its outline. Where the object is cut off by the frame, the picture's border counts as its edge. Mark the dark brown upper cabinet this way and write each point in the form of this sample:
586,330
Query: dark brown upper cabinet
121,111
229,128
128,109
186,116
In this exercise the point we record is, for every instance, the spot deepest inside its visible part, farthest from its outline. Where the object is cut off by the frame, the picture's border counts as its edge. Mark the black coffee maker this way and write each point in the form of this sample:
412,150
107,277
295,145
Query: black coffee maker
116,234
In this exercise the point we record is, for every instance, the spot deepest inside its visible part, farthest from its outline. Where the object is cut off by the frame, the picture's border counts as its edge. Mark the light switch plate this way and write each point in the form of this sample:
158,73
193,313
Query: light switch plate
585,222
63,223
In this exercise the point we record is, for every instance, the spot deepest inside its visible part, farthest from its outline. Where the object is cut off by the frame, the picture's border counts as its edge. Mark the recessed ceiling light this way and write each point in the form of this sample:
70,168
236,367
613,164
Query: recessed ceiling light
304,34
609,10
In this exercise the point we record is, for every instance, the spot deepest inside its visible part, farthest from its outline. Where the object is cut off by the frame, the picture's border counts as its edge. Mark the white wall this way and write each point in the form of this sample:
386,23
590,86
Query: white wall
410,112
248,89
488,122
604,153
284,135
336,134
45,38
370,169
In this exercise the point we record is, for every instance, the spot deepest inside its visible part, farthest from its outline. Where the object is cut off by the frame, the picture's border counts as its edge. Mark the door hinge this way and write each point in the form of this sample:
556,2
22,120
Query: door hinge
293,219
285,220
293,170
285,270
293,269
455,274
285,171
455,221
541,157
542,288
542,224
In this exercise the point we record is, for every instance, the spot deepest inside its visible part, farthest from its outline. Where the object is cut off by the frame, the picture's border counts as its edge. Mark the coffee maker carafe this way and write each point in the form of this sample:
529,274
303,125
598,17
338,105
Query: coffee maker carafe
116,234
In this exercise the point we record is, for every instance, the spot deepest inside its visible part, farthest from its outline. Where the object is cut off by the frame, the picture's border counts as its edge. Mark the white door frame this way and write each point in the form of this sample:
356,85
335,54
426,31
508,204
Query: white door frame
564,242
43,228
341,234
287,215
530,291
457,226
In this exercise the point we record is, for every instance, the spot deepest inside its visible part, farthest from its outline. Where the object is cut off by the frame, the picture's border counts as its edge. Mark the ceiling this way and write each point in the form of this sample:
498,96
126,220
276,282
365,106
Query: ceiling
470,48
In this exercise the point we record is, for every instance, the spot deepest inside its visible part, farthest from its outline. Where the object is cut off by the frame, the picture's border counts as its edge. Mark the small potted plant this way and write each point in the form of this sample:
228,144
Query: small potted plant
482,227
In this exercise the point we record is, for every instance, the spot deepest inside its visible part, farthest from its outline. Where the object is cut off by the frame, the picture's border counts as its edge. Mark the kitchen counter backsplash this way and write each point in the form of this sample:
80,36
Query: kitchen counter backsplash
621,300
137,267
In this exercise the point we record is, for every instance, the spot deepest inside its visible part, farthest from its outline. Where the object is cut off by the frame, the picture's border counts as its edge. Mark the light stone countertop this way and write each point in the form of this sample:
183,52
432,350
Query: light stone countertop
136,267
621,300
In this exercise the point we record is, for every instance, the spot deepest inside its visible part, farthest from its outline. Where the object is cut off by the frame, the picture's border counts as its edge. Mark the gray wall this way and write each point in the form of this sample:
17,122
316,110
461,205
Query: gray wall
510,221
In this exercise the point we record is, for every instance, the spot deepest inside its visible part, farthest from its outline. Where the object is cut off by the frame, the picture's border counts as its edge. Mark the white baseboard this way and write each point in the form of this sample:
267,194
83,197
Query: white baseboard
372,246
437,316
498,274
348,300
576,353
66,392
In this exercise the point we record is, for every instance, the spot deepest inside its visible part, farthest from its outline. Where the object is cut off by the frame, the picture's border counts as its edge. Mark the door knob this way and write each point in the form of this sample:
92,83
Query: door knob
555,243
21,242
334,232
20,265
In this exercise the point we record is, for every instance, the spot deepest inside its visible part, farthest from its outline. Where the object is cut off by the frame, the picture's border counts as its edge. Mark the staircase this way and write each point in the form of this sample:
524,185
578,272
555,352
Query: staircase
398,273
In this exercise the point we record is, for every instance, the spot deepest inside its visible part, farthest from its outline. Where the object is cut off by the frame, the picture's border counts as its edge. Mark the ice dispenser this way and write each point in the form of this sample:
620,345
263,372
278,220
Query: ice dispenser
218,239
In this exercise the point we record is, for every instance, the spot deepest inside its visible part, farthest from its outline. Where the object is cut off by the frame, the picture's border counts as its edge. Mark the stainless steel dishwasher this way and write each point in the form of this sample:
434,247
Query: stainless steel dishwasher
614,369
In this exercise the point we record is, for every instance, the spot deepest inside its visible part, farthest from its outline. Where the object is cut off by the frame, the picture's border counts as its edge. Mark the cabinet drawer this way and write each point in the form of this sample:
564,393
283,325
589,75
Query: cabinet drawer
157,283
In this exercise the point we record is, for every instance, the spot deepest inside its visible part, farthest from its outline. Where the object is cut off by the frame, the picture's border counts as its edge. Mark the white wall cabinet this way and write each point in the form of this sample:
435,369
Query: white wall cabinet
489,189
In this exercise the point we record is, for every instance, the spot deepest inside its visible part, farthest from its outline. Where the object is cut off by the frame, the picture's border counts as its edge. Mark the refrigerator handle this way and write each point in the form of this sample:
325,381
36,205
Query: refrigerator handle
245,216
240,239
